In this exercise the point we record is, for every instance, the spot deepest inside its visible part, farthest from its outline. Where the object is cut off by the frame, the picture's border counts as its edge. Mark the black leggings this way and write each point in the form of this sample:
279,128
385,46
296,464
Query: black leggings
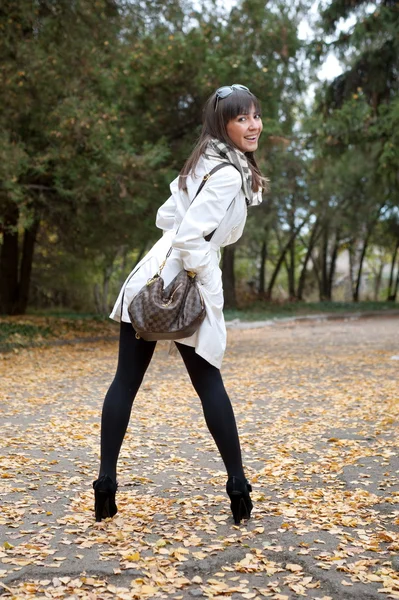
134,357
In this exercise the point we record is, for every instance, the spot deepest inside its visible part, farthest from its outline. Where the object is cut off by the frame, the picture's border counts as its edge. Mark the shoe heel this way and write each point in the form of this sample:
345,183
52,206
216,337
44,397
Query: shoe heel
104,499
101,505
239,508
240,500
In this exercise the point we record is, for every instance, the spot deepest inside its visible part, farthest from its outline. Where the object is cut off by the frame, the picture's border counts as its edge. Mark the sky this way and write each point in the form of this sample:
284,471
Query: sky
331,67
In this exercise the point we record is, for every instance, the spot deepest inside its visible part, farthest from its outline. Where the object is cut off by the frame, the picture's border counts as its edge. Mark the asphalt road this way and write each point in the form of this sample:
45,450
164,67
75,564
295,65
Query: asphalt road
317,408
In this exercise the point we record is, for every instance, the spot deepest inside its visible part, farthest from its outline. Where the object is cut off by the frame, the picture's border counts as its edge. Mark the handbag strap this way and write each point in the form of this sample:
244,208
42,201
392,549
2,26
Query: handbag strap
207,176
203,182
207,238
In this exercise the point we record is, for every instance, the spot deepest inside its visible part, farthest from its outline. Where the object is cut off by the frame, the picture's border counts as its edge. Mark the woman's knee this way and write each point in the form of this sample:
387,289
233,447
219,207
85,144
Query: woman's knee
130,380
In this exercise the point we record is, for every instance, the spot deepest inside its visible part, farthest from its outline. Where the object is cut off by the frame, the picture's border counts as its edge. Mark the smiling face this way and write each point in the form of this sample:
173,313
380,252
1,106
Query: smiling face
244,130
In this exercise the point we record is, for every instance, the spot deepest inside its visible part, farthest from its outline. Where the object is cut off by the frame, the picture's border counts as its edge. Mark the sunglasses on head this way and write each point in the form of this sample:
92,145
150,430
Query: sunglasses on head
226,90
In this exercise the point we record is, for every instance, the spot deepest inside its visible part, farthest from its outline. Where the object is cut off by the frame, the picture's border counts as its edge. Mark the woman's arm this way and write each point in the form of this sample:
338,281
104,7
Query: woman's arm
204,216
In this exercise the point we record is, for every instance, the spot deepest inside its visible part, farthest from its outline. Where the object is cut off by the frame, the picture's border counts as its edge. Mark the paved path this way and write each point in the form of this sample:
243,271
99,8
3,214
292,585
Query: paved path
317,408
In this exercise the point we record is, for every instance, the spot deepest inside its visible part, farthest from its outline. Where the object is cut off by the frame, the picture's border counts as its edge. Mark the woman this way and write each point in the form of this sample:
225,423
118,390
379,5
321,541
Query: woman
195,230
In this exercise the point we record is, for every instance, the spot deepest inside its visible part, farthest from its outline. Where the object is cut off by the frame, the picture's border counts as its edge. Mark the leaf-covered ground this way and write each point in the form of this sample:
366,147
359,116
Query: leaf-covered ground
317,409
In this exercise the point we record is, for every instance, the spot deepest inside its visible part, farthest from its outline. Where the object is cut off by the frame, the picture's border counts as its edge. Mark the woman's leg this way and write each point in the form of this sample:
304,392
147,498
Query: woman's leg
218,412
134,357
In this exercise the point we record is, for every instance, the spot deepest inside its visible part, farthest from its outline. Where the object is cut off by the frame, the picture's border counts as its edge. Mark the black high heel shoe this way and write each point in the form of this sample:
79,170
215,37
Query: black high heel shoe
104,497
241,504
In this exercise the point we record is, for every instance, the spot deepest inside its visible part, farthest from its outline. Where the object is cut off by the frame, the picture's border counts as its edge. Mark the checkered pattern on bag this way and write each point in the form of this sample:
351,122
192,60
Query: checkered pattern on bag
171,313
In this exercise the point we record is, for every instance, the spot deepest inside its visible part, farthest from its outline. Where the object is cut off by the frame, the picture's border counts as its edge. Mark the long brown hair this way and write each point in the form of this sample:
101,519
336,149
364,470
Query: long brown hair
239,102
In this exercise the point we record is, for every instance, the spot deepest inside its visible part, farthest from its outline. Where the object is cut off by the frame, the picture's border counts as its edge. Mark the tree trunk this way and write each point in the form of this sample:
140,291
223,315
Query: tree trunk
28,249
355,294
107,272
107,277
228,277
316,269
324,265
140,254
291,250
14,276
97,298
391,295
377,281
281,247
302,277
395,290
369,230
291,271
282,258
123,266
333,265
262,269
362,256
9,261
352,258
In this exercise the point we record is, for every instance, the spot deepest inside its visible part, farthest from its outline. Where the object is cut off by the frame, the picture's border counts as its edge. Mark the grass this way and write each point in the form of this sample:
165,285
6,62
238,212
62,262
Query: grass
16,334
40,329
261,311
63,313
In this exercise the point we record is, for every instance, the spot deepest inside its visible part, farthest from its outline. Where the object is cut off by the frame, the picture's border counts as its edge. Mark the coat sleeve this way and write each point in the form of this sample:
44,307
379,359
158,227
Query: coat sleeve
166,213
203,216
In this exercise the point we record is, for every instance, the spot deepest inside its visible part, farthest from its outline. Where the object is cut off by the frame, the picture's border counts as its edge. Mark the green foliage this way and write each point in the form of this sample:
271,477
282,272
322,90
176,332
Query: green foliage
387,127
102,104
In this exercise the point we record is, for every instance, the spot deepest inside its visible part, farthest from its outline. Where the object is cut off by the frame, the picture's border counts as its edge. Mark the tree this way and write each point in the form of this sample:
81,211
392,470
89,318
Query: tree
350,125
51,54
102,106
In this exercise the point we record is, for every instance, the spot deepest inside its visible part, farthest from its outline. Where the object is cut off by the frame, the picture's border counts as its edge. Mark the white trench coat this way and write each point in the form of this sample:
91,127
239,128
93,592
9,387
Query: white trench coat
220,205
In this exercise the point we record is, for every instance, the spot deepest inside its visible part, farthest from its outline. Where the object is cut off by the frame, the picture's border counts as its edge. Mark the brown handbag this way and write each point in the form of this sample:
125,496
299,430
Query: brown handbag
168,314
174,312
